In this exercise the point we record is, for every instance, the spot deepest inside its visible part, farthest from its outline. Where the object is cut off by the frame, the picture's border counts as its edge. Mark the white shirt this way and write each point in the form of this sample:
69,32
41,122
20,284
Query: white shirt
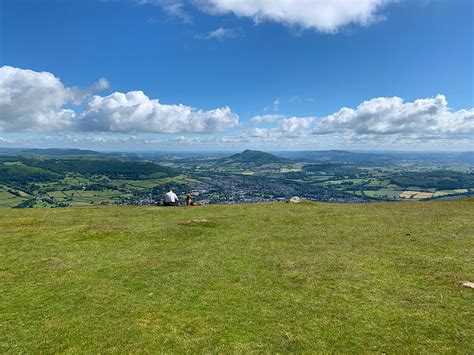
170,196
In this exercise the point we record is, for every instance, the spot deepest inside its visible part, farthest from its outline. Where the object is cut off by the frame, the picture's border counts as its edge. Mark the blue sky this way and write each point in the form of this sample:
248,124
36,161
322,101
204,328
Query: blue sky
227,75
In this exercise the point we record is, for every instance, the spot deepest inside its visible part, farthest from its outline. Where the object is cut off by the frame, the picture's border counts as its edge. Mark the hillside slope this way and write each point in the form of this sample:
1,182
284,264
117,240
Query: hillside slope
265,277
254,157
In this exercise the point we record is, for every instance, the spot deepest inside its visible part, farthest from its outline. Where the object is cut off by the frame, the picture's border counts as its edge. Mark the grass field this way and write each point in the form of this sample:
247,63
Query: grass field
8,199
263,277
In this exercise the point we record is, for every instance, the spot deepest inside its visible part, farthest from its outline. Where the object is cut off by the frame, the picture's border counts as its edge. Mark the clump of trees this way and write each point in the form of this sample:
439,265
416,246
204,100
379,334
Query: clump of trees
436,179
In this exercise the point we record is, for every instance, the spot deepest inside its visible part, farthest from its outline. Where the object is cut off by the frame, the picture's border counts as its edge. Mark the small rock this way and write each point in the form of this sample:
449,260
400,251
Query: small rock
467,284
295,199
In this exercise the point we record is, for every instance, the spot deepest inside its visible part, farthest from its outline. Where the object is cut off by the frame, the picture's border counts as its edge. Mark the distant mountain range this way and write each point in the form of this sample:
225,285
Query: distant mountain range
49,152
259,158
377,158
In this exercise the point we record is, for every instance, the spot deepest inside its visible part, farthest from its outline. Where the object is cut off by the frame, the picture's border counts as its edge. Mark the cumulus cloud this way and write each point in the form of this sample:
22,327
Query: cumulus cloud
36,101
384,116
322,15
30,99
383,120
78,95
136,112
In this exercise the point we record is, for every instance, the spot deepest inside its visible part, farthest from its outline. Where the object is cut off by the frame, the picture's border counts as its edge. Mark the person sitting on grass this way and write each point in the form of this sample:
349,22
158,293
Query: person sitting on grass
171,199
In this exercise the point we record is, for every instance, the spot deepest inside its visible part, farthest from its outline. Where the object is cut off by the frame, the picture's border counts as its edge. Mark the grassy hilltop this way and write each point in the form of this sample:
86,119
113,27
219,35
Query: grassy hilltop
263,277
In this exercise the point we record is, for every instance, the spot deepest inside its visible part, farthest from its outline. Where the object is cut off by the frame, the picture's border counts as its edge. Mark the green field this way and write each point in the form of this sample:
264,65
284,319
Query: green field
271,277
7,199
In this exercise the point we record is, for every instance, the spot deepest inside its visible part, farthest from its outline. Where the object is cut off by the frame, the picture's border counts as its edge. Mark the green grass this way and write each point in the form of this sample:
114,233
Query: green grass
84,197
382,192
5,195
8,200
263,277
58,194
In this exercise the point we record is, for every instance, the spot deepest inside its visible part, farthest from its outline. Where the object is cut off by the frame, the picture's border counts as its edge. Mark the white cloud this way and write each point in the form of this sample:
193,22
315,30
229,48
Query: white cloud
295,126
322,15
384,116
222,33
31,99
78,95
266,119
36,101
135,112
380,121
291,127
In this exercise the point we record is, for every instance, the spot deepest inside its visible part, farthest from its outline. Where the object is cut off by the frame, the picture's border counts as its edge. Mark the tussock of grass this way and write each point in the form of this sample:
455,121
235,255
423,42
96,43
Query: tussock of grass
264,277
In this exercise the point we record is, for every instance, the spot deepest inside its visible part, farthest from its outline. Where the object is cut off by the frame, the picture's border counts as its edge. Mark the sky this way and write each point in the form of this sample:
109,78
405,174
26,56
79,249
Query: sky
229,75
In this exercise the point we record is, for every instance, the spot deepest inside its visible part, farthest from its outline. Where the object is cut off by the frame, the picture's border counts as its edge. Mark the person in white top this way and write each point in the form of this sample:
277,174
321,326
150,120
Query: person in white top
171,199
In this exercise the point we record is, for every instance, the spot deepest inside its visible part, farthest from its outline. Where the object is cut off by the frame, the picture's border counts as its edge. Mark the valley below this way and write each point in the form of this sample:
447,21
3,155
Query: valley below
62,178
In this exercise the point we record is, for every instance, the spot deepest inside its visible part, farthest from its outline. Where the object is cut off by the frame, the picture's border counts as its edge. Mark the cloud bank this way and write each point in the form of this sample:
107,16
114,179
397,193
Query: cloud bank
379,120
384,116
36,101
322,15
32,101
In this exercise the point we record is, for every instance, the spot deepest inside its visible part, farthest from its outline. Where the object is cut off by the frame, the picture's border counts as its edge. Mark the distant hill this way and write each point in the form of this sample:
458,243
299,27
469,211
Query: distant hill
18,174
337,156
113,168
255,157
9,151
378,158
57,152
467,157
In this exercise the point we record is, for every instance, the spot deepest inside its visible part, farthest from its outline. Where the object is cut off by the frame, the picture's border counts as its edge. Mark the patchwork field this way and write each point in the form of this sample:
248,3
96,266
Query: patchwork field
274,277
8,199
